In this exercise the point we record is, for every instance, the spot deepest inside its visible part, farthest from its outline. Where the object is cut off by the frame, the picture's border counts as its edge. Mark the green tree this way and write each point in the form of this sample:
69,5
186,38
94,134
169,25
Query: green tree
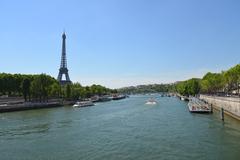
55,90
41,86
26,84
192,87
182,88
68,91
232,79
212,83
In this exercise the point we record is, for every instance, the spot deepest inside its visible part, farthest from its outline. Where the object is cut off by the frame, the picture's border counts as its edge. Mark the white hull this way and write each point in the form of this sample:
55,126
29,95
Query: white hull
151,103
83,104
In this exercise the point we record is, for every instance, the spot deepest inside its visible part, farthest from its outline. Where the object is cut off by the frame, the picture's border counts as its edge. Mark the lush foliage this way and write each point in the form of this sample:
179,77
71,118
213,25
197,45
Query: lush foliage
42,87
226,82
32,87
141,89
189,87
75,91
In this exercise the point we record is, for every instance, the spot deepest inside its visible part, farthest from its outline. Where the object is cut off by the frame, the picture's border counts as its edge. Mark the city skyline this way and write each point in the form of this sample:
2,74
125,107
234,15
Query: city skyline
120,43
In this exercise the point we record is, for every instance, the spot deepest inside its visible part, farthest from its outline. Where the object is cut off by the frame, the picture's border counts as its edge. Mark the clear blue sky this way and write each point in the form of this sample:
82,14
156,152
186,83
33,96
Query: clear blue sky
120,42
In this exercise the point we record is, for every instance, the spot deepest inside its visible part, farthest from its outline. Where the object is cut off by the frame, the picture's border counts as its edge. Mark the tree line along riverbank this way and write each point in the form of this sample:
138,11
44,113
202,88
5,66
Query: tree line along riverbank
42,87
225,83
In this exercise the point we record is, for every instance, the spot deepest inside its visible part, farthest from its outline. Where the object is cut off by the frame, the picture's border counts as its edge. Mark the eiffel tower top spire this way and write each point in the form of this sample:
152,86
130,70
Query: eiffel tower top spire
63,59
64,35
63,67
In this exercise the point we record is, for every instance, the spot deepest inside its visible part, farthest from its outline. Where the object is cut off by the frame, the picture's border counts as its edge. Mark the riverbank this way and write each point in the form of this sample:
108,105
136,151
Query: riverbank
11,104
230,105
28,106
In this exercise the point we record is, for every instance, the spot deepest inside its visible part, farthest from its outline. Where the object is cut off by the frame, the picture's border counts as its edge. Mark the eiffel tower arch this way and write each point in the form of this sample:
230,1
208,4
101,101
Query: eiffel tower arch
63,67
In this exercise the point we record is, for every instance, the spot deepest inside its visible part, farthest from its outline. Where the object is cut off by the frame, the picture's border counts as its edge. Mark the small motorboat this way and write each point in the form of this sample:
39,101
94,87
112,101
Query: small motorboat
83,104
151,101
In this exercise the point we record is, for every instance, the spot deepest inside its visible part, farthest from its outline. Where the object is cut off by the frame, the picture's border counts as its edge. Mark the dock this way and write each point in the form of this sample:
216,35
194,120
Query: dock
195,105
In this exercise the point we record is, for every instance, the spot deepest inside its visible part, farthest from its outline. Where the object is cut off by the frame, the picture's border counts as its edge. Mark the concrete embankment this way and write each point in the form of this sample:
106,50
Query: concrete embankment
10,104
28,106
231,105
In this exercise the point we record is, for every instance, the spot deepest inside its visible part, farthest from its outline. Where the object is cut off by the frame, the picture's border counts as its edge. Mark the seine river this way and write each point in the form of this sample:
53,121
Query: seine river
119,130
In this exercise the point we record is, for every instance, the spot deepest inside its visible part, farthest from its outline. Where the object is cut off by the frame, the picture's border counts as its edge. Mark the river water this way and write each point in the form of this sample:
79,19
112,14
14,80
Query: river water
126,130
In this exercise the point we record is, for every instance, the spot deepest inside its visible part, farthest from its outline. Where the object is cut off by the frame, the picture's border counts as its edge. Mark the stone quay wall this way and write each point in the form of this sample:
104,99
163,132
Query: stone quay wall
231,105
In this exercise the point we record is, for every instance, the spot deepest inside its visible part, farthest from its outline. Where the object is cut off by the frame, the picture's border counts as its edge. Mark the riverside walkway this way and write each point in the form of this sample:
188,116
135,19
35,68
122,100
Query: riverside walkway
11,104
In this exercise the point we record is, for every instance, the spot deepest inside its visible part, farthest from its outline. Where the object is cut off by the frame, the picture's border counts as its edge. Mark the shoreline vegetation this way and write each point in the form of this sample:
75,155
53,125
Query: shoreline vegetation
24,92
44,91
41,88
226,83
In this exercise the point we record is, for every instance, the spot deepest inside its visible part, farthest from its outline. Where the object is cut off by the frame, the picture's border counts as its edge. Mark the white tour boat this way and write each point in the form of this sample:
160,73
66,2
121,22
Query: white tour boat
83,104
151,101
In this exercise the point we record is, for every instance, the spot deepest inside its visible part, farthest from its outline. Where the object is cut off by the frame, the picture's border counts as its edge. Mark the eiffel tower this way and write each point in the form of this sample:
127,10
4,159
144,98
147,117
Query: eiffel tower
63,68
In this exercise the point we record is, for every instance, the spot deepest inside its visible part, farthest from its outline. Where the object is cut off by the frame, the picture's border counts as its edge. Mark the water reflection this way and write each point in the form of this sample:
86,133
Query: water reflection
64,123
25,130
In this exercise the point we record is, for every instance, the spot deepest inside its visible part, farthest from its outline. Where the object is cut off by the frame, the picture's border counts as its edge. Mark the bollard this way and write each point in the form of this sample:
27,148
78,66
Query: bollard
211,108
222,114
